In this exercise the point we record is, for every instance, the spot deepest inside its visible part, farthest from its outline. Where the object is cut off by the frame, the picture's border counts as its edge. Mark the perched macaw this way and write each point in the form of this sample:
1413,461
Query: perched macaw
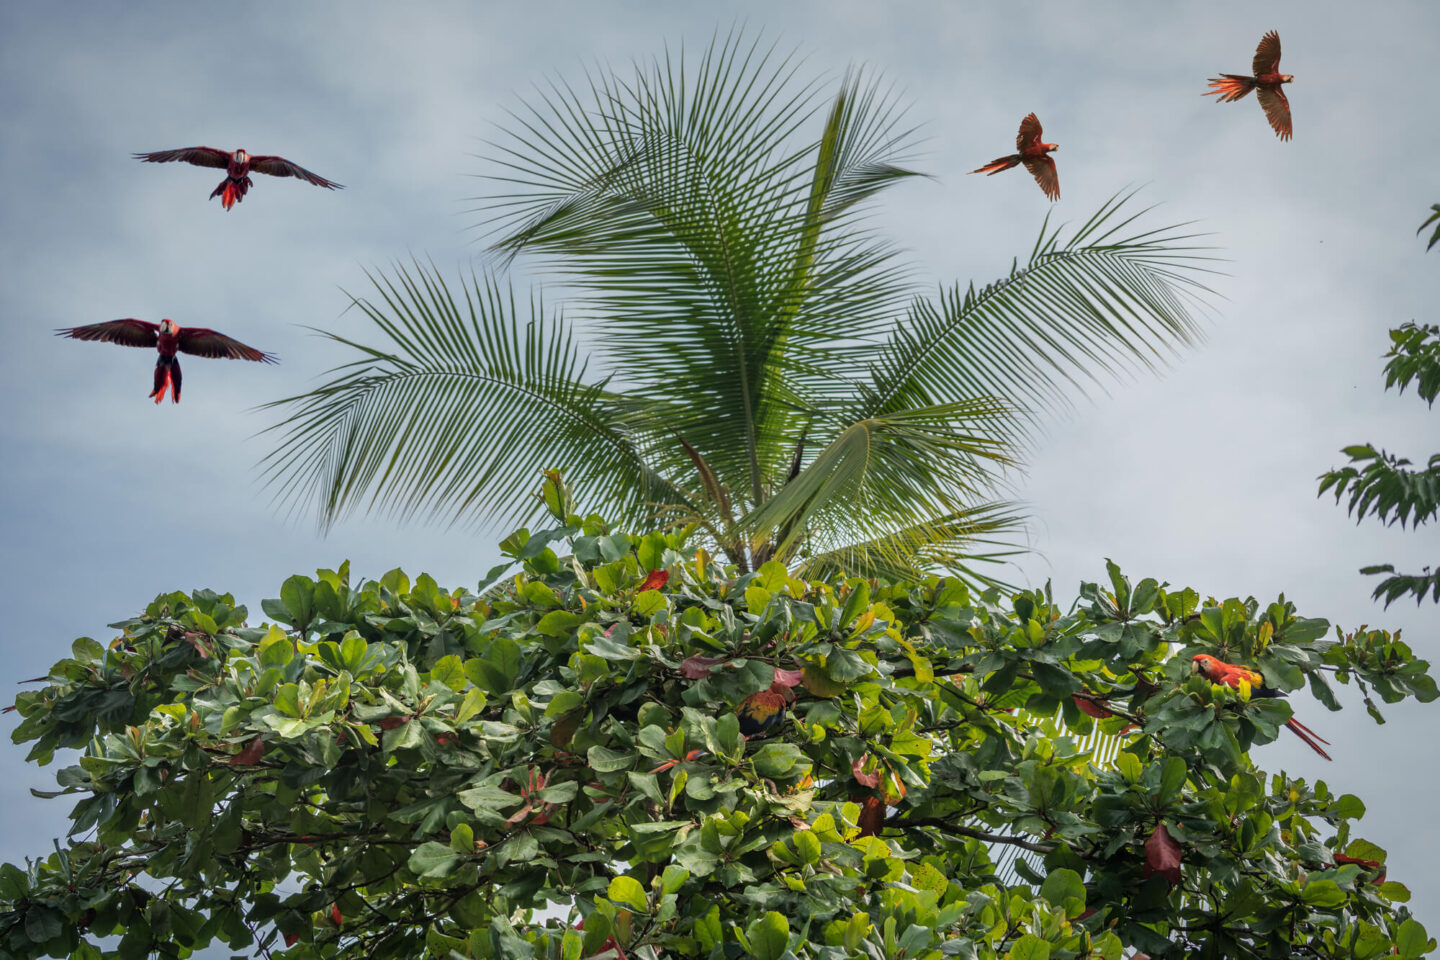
1267,83
167,337
1375,866
1230,675
1032,153
761,712
237,168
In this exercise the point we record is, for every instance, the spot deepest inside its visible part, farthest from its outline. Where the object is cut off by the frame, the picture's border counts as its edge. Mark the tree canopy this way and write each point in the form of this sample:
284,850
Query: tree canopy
556,765
741,349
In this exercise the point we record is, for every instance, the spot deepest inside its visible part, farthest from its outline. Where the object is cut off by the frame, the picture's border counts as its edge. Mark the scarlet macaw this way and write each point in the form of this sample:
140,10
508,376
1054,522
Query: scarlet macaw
167,337
1033,154
761,712
1230,675
237,168
1267,84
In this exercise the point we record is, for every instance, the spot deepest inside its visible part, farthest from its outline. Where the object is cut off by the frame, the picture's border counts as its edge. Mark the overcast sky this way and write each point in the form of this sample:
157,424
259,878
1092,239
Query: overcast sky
1203,476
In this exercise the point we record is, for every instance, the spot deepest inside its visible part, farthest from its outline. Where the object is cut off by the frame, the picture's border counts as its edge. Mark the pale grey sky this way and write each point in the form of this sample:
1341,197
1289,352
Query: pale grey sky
1204,476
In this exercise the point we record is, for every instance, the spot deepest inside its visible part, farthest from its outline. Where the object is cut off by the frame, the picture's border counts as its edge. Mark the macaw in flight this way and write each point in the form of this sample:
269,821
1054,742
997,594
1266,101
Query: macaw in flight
1032,153
237,167
1267,83
1231,675
167,337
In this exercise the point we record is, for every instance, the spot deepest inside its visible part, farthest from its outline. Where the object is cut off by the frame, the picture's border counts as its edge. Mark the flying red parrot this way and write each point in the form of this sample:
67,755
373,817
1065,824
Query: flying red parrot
761,712
1230,675
1033,154
167,337
1266,83
237,168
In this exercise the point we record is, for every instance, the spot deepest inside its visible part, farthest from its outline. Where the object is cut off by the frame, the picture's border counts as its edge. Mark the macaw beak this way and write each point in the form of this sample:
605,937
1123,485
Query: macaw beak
1195,667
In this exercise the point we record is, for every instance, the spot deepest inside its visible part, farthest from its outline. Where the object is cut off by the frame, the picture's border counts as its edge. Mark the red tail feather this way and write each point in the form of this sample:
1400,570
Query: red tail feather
1230,87
995,166
1309,737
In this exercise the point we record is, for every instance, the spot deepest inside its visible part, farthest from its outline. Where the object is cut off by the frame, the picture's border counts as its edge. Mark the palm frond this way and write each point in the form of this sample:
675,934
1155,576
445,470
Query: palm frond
454,416
885,471
712,233
968,544
1079,311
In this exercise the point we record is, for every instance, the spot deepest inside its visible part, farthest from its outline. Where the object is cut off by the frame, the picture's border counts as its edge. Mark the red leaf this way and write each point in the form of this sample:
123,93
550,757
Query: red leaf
1162,855
291,939
788,678
698,667
872,817
656,580
249,756
390,723
1090,708
861,777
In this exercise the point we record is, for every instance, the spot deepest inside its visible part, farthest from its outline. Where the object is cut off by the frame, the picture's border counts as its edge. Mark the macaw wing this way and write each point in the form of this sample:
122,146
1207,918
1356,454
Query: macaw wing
128,332
1277,109
1267,55
1029,134
1045,174
201,342
200,156
280,167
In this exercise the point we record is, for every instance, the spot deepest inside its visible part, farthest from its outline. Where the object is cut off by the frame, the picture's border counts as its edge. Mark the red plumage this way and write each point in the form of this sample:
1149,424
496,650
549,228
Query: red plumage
1232,675
1267,81
761,712
237,166
1034,154
167,337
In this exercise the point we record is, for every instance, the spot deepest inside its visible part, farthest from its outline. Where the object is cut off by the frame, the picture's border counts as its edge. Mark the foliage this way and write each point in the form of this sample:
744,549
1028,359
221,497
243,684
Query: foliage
1435,216
762,364
1382,484
390,769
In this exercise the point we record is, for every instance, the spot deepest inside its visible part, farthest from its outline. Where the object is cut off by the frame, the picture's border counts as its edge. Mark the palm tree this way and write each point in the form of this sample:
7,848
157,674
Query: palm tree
763,365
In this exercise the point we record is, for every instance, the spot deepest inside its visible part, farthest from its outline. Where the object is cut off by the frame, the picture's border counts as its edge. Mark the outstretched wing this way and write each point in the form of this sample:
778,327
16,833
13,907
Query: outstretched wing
1045,174
1277,109
201,342
128,332
200,156
1029,134
280,167
1267,55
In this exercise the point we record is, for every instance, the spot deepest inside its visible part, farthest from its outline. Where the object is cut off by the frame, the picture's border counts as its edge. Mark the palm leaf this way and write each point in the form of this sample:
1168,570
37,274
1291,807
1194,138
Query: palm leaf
887,471
711,235
1094,305
453,419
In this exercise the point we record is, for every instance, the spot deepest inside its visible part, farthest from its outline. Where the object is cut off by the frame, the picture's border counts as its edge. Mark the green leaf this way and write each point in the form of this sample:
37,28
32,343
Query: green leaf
449,671
769,936
628,891
1412,939
1172,779
297,594
1029,947
432,859
1064,888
